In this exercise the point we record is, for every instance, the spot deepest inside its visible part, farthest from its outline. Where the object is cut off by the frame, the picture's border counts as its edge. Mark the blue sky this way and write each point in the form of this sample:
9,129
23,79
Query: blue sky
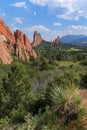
51,18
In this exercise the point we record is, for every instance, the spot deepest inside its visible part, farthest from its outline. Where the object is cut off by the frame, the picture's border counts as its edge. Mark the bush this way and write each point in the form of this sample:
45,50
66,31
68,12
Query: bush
15,85
84,81
84,62
17,116
65,101
4,122
8,42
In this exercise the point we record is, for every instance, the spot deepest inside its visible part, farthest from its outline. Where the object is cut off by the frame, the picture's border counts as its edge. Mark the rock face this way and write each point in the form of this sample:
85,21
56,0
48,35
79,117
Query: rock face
15,43
37,39
5,57
56,42
23,48
5,31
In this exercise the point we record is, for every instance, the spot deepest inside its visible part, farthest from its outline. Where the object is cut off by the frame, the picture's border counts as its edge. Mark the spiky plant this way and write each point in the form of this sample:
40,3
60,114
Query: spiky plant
63,99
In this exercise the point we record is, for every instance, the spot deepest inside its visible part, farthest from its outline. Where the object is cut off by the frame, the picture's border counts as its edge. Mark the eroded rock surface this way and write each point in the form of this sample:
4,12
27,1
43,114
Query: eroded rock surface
15,43
37,39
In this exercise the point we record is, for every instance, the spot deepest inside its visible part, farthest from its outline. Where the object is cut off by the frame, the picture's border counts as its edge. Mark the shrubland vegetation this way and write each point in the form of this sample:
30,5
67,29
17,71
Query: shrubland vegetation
44,93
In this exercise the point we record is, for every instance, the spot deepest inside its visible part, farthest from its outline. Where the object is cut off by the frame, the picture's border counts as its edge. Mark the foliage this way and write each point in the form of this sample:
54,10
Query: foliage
65,99
14,87
4,122
8,42
84,81
43,92
84,62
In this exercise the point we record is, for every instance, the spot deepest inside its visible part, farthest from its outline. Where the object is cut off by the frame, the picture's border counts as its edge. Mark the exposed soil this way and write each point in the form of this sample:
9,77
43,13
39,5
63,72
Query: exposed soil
84,104
84,95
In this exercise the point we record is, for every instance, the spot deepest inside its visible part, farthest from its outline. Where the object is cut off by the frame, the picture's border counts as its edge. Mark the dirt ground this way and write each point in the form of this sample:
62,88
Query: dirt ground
84,104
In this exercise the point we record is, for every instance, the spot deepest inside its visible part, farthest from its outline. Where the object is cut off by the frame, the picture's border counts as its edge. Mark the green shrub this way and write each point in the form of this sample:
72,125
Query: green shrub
84,62
4,122
64,100
8,42
17,116
83,81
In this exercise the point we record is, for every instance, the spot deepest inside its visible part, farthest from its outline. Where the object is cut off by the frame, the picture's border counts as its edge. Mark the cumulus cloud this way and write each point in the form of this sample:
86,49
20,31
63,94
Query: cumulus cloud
34,12
48,34
18,20
3,14
72,30
15,28
20,4
37,28
79,29
56,24
39,2
68,9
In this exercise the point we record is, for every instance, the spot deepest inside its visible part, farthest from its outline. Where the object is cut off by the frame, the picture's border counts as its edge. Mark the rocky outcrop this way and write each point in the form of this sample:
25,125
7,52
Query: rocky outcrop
15,43
22,46
37,39
5,31
56,42
5,56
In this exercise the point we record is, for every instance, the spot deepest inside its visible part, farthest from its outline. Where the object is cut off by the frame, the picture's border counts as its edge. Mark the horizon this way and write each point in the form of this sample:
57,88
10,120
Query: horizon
51,18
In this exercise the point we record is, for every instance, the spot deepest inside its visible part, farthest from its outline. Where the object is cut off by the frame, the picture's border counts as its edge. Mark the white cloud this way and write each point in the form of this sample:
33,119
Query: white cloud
37,28
35,13
20,4
72,30
12,24
68,9
49,35
15,28
38,2
56,24
3,14
78,27
18,20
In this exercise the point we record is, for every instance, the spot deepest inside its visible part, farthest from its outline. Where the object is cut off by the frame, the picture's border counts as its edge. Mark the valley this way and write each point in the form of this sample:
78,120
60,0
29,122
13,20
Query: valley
43,84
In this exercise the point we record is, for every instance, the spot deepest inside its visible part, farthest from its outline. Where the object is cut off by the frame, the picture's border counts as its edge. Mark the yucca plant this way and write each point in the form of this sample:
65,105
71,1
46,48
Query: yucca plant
64,100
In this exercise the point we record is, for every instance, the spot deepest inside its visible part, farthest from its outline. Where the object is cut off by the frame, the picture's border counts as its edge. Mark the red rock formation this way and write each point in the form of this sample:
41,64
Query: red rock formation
5,31
17,43
5,57
37,39
23,48
56,42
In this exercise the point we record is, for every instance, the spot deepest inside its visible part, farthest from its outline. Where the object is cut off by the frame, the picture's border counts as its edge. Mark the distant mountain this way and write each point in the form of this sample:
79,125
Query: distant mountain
81,41
75,39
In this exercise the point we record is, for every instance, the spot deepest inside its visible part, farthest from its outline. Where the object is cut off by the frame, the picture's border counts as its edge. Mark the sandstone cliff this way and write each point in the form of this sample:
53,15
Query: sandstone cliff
37,39
22,46
5,31
5,57
15,43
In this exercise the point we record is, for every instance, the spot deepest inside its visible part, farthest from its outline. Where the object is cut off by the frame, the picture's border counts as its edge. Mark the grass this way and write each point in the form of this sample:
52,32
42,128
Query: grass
74,49
67,63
